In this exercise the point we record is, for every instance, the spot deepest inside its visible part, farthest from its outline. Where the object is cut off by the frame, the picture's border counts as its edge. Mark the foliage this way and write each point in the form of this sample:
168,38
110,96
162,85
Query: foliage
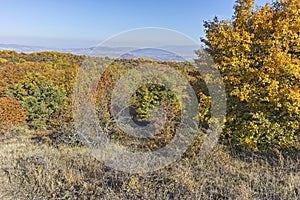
59,68
143,103
11,112
257,53
151,95
41,99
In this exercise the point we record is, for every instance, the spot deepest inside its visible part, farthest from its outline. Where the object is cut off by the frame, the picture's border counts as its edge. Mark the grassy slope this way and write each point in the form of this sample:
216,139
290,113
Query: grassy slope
37,170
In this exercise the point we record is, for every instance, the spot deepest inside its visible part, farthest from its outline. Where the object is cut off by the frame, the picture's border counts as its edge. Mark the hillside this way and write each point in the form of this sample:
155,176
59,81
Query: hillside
42,156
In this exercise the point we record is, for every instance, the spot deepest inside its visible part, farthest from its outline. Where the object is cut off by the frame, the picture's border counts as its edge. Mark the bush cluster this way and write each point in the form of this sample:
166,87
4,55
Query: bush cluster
41,99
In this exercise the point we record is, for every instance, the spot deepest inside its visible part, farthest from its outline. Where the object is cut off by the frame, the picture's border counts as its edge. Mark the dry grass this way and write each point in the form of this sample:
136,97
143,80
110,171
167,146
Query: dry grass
33,170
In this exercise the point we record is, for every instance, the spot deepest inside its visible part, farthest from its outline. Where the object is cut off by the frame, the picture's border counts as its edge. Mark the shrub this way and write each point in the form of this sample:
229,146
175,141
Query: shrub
41,99
151,95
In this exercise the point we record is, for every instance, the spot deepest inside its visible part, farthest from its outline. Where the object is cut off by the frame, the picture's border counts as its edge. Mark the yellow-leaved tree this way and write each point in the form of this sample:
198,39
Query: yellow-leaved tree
258,55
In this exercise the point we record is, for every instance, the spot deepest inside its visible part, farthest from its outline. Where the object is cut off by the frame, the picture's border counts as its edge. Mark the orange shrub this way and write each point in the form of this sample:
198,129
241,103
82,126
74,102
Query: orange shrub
11,112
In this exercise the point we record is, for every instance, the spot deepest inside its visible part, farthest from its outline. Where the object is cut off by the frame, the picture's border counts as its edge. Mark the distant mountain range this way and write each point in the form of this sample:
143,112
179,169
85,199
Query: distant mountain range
164,53
154,54
32,49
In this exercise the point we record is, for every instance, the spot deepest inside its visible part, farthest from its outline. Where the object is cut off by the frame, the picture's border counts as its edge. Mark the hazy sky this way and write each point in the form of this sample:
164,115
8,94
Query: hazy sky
80,23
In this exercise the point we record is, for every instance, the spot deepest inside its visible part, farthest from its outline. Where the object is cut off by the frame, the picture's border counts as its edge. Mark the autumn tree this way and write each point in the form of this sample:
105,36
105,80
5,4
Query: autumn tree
257,53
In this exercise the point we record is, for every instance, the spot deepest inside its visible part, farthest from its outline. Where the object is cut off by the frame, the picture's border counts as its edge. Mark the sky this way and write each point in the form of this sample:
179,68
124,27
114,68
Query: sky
84,23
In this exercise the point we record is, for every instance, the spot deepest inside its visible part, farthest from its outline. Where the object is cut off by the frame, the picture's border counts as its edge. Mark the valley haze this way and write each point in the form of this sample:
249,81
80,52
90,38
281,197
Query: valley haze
164,53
